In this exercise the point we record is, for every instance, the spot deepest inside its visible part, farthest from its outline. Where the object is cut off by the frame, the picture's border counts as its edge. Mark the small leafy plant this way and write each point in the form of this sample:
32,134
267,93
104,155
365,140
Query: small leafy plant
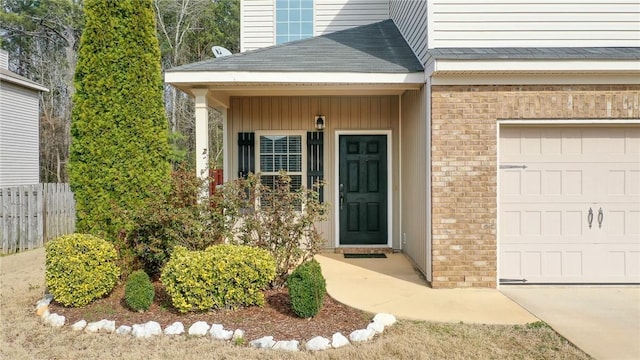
139,291
307,288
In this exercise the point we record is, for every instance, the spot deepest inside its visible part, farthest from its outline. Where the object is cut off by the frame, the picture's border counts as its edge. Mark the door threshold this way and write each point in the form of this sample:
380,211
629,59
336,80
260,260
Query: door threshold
364,256
364,250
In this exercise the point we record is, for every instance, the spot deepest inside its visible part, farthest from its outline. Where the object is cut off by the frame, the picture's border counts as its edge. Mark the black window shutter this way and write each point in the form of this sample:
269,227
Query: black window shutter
246,154
315,160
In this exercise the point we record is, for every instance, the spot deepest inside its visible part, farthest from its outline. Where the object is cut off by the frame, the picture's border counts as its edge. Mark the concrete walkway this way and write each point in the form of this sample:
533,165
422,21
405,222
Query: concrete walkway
392,285
603,321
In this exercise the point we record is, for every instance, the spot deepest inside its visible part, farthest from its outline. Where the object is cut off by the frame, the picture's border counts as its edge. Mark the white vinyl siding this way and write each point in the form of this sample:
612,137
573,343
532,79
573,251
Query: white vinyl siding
533,23
257,18
4,60
335,15
411,19
19,142
257,24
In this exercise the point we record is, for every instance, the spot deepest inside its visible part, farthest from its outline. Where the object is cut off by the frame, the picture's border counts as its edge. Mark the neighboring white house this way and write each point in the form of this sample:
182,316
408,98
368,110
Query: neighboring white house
19,127
490,141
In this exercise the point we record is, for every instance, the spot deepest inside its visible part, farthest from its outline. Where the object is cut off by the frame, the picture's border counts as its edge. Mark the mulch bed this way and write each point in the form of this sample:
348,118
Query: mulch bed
275,318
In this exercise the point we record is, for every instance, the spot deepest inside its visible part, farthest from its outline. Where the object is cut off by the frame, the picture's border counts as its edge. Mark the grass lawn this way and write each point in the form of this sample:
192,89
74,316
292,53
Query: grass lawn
23,336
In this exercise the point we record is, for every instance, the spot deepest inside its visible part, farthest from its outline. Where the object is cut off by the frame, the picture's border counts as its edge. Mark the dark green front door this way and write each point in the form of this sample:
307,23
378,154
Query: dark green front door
363,190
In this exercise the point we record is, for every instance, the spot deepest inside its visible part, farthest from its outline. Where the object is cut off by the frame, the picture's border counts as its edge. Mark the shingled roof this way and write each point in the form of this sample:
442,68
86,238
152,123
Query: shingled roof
374,48
543,53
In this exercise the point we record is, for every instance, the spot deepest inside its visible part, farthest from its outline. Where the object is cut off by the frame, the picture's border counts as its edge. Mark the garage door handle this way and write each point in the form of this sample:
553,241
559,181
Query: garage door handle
600,218
590,217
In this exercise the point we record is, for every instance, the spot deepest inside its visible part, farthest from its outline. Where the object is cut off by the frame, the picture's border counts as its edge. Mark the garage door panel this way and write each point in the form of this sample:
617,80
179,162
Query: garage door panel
526,223
556,176
570,263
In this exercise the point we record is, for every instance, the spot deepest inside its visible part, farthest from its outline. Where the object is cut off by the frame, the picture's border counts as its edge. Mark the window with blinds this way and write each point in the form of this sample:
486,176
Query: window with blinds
281,152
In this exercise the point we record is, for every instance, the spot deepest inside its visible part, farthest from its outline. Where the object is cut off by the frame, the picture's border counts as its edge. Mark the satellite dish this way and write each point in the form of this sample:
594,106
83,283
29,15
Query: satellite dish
219,51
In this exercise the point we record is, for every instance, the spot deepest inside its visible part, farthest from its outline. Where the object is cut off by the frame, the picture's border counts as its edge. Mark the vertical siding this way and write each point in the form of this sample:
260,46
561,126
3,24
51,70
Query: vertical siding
250,114
534,23
411,19
335,15
415,182
257,24
19,135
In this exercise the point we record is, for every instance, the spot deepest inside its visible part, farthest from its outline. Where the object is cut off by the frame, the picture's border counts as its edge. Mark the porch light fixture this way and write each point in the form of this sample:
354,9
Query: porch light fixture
320,121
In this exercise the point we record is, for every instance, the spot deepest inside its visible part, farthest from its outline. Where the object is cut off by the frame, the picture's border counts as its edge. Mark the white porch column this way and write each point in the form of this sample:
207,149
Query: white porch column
202,133
225,146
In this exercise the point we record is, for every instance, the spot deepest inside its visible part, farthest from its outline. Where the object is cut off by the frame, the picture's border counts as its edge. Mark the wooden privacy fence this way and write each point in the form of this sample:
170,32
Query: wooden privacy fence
32,214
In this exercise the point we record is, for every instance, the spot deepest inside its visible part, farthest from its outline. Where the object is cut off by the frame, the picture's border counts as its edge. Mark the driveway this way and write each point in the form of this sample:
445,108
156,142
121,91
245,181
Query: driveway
602,321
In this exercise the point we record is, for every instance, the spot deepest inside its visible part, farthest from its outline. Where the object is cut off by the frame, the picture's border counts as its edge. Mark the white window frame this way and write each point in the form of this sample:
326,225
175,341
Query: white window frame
303,136
275,23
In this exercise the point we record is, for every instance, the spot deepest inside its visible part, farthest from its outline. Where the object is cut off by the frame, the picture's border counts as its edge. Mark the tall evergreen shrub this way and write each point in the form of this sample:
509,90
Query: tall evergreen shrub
119,150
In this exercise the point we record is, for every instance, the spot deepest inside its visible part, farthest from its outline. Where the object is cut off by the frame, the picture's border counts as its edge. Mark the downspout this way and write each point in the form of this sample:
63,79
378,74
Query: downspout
400,193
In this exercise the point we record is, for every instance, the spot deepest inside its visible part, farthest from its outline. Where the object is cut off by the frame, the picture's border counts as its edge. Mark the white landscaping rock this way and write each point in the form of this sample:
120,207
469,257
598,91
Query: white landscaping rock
139,331
219,333
55,320
44,314
238,334
291,345
199,328
109,326
123,330
384,319
361,335
93,327
102,325
146,330
339,340
46,300
318,343
376,326
153,328
265,342
174,329
79,325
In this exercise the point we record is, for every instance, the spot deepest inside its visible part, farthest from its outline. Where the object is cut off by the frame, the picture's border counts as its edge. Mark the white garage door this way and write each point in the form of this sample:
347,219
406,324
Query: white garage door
569,204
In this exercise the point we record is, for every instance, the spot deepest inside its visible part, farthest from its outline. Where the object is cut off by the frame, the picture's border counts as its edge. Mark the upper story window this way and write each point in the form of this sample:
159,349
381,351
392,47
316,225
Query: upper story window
294,20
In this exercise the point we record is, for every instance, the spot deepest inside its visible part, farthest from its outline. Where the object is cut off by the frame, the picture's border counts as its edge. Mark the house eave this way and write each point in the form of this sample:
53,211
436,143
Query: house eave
8,76
517,65
531,72
247,77
221,86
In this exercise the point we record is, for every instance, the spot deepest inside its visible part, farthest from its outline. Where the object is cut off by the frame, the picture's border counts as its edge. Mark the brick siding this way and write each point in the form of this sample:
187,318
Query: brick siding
464,161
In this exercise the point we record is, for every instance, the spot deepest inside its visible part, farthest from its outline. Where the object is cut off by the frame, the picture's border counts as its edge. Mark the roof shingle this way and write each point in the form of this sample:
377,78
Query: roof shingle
374,48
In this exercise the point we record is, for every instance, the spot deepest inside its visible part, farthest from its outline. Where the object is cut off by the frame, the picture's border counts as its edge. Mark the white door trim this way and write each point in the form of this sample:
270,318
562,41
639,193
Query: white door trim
336,190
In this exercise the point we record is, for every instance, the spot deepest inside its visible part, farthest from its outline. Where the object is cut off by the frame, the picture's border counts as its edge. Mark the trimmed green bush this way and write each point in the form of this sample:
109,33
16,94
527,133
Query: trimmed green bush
139,291
119,151
80,268
222,276
307,288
